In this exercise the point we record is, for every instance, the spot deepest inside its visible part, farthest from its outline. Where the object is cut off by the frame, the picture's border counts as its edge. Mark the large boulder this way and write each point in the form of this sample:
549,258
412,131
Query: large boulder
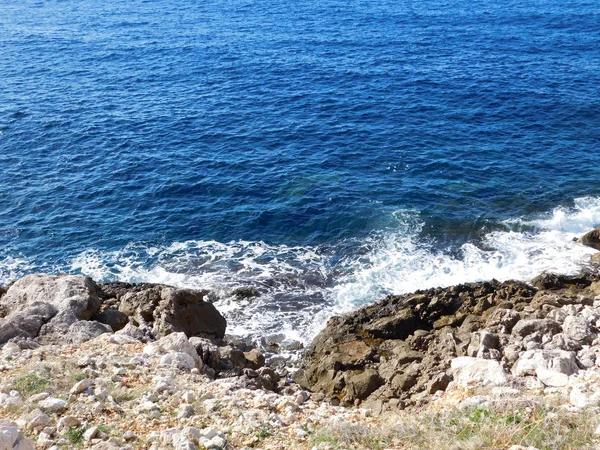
590,239
171,310
74,293
27,322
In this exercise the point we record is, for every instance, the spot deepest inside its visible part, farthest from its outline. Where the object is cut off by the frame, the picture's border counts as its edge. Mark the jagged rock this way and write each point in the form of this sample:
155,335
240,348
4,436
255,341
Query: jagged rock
207,350
171,310
27,322
555,360
526,327
255,359
503,320
112,317
74,293
409,340
172,345
577,328
12,439
468,371
66,328
590,239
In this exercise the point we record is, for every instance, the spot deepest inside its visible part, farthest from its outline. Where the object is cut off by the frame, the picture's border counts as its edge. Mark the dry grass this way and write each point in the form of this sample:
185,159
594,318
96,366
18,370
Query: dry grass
542,427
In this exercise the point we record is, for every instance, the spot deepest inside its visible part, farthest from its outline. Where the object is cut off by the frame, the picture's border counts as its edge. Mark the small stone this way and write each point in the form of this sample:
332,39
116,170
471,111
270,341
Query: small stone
129,436
90,434
53,404
67,422
80,386
38,420
551,378
185,411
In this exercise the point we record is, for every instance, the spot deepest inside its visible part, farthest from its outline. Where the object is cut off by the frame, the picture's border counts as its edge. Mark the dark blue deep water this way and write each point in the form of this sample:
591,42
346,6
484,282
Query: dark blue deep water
327,152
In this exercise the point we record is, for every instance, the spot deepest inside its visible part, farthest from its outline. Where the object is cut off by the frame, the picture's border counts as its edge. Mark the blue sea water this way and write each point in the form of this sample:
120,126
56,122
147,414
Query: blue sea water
326,152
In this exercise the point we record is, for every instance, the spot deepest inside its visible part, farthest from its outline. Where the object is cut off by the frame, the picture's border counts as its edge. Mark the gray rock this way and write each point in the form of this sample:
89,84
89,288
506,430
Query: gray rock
207,350
578,329
174,342
65,328
74,293
503,320
527,327
12,439
112,317
555,360
27,322
53,404
174,310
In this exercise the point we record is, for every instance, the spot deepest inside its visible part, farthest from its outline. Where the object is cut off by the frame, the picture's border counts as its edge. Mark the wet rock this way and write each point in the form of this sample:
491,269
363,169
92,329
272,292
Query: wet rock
590,239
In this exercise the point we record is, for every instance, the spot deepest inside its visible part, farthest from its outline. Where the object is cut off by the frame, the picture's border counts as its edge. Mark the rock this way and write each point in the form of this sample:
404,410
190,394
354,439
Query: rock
552,378
179,360
554,360
27,322
174,310
80,386
12,439
590,239
174,343
11,399
207,350
65,328
185,411
90,434
67,422
74,293
361,385
113,318
468,371
255,359
53,404
234,355
578,329
526,327
503,320
37,420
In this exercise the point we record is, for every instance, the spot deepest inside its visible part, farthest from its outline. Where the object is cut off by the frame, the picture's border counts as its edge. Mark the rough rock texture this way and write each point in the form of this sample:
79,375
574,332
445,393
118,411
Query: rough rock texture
590,239
397,351
74,293
27,322
58,309
169,310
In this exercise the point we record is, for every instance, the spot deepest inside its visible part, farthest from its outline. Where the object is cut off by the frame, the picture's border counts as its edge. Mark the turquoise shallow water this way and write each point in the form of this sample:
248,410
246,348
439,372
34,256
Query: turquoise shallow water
326,152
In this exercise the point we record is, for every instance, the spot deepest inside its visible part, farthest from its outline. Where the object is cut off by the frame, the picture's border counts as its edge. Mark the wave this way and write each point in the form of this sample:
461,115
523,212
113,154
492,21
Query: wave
300,287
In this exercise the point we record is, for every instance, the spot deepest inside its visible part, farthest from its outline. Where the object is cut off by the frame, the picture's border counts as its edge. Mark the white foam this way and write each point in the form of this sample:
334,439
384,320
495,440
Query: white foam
301,287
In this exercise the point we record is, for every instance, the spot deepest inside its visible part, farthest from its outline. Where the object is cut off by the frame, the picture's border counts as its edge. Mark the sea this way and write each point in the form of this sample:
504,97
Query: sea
320,153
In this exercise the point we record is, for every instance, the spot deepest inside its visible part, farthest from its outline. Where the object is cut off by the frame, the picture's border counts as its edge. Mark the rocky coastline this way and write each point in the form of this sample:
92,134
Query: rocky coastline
145,366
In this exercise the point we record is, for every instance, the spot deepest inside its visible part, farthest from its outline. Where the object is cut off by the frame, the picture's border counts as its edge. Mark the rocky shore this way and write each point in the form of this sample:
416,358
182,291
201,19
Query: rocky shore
124,366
